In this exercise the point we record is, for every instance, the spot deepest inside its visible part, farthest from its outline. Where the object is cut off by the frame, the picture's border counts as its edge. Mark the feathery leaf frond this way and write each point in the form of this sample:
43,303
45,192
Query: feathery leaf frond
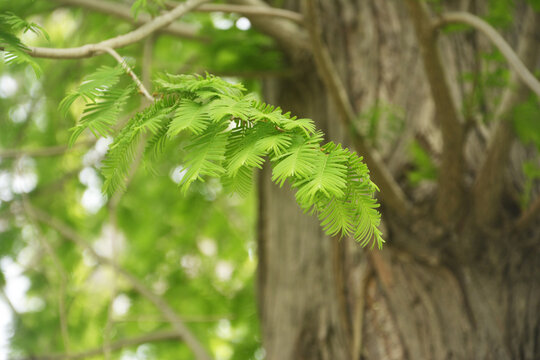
206,153
92,86
298,161
15,50
231,134
100,116
190,115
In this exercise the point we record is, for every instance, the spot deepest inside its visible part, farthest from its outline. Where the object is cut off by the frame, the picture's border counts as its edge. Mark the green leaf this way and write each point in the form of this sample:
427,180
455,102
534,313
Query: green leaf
229,108
190,115
298,160
100,116
232,134
369,220
337,216
329,177
15,52
306,125
244,150
264,112
92,86
205,155
18,24
526,122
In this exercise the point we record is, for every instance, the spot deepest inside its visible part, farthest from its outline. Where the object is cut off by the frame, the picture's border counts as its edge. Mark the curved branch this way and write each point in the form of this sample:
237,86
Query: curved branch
513,59
177,323
165,335
124,12
250,10
118,41
451,189
489,182
391,194
292,38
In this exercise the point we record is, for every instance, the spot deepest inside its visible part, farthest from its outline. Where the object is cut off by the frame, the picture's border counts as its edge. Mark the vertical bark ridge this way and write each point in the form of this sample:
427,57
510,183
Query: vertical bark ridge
455,304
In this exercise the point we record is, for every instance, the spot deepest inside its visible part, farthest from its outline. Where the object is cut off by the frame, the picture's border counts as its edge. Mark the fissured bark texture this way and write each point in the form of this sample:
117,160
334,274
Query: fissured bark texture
431,293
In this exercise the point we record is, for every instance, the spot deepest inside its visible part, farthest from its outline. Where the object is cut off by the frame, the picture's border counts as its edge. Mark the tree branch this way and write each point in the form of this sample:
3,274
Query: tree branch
451,189
178,325
292,39
391,194
165,335
124,12
489,182
134,36
250,10
513,59
45,151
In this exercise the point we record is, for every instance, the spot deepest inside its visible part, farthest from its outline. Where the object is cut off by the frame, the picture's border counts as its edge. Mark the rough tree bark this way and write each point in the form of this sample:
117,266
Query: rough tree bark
434,292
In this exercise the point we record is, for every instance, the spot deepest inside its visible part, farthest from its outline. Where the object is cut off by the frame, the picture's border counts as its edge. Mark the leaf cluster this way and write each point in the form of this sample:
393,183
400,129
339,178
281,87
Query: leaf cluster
15,50
230,133
104,101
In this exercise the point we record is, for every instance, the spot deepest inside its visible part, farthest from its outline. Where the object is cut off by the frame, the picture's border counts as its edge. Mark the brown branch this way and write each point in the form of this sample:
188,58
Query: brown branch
250,10
124,12
513,59
359,312
450,183
489,182
529,215
134,36
391,194
43,152
177,323
292,38
165,335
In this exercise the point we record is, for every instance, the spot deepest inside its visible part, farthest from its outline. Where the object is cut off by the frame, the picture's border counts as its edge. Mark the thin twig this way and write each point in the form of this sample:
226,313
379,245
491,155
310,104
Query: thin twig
489,182
165,335
134,36
45,151
191,341
391,194
130,72
146,75
493,35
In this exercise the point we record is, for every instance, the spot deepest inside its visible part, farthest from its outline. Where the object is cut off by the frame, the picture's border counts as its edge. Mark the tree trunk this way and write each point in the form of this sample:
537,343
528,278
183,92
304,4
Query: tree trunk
432,292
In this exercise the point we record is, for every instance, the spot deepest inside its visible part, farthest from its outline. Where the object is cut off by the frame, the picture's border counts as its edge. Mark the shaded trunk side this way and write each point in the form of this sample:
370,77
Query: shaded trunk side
431,294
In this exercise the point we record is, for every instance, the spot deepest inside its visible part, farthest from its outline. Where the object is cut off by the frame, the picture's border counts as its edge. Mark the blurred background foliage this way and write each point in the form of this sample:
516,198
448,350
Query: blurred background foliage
196,251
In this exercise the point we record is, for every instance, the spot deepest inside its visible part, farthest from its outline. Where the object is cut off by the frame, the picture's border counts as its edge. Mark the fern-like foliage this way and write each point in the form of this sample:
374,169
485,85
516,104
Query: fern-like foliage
104,101
15,50
228,134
